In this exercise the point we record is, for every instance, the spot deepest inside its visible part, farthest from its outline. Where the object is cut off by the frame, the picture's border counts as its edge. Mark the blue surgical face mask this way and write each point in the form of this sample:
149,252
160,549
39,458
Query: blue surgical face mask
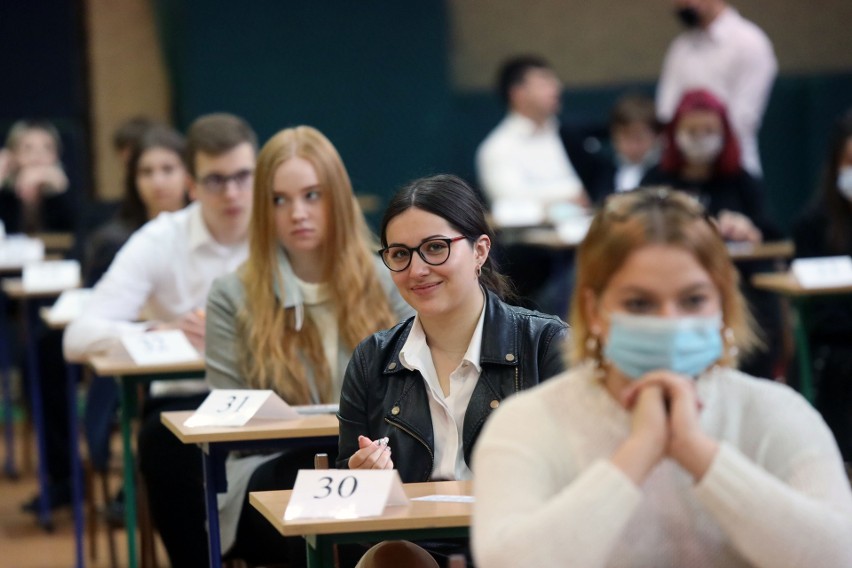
685,345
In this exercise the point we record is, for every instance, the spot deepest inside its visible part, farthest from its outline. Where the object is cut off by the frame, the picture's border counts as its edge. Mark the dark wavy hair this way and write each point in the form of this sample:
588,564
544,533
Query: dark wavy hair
728,162
837,208
450,198
132,211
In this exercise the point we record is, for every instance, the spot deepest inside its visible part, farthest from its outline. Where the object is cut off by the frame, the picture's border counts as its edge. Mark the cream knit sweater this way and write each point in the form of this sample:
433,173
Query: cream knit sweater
775,495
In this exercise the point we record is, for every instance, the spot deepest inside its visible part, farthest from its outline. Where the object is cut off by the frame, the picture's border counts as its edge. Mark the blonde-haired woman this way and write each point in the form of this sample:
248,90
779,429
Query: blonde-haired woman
290,317
653,450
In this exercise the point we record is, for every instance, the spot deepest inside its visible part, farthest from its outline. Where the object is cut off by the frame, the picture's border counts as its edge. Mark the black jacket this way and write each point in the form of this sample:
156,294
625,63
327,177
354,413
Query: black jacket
380,397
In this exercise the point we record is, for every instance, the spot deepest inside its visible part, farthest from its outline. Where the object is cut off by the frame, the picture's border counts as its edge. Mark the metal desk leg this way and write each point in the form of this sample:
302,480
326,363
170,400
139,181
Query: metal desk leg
320,551
72,373
803,349
6,384
213,462
31,319
128,411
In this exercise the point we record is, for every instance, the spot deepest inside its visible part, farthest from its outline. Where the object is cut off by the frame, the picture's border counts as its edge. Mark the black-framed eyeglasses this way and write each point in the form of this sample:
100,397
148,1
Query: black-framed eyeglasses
216,184
433,251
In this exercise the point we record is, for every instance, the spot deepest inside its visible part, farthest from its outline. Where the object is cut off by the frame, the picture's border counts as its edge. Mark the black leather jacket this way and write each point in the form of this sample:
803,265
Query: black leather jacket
380,397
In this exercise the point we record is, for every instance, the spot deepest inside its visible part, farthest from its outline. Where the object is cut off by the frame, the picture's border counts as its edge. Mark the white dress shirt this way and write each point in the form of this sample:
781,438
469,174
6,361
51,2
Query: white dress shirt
521,161
732,58
164,271
447,411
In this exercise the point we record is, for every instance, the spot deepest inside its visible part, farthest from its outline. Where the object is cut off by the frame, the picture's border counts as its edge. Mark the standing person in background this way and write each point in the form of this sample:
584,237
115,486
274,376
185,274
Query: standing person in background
702,157
653,450
730,56
826,230
34,194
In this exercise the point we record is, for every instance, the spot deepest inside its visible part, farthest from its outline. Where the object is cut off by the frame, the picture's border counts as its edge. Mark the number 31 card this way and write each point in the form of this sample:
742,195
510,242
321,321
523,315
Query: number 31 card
235,407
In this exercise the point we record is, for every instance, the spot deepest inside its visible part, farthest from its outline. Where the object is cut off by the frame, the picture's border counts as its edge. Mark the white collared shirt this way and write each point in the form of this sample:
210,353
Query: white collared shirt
447,411
164,271
732,58
521,161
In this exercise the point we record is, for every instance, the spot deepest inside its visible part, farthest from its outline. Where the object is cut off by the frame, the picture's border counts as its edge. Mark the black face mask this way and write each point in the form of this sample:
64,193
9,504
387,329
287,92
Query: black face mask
688,16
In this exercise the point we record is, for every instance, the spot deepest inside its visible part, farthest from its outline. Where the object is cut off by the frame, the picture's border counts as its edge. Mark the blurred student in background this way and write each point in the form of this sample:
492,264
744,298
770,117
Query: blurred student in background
635,136
702,157
826,230
34,194
730,56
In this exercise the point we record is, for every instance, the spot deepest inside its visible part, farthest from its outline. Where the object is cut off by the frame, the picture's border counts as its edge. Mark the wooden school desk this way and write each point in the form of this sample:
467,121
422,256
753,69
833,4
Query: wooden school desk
117,363
217,441
416,521
785,284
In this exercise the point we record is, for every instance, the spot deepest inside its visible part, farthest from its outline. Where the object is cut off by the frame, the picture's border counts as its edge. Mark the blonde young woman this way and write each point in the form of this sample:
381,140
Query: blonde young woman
290,317
654,450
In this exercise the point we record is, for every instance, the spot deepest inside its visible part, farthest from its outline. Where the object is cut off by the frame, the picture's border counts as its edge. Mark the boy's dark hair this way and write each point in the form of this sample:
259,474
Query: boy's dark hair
514,71
215,134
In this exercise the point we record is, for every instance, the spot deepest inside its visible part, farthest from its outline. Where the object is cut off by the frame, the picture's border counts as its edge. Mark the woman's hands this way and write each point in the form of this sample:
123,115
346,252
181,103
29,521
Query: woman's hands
737,227
665,423
371,454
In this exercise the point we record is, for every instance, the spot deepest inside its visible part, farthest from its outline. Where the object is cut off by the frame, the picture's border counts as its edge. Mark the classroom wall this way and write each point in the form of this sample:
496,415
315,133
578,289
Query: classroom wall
402,88
608,42
127,78
42,75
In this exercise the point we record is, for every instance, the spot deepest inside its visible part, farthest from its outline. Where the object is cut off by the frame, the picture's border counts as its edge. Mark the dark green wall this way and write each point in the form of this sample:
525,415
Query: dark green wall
371,75
374,76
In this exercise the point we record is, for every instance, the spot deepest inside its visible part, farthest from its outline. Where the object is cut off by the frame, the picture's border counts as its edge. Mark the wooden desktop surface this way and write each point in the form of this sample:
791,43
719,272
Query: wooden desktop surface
785,283
415,515
548,237
14,288
117,362
309,426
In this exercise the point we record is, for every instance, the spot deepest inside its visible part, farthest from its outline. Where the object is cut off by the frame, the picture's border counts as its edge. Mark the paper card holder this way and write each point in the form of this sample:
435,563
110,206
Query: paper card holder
824,272
160,347
51,275
235,407
344,493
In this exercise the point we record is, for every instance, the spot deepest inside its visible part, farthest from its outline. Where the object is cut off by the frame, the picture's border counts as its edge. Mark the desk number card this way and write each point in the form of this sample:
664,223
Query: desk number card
51,275
70,304
18,250
826,272
344,493
235,407
159,347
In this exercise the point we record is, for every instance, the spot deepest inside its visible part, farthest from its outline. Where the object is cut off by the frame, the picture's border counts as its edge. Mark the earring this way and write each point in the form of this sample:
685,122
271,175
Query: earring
730,343
478,270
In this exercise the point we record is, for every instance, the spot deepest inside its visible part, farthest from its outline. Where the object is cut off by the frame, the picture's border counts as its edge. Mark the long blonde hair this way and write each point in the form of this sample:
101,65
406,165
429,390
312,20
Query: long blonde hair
632,220
274,354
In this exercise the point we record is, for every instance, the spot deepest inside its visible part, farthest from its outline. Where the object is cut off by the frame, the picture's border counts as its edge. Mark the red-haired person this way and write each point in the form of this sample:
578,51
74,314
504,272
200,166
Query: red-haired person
702,157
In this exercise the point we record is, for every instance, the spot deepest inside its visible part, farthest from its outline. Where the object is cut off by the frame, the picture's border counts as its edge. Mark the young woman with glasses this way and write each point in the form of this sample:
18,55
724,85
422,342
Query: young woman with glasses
288,319
653,450
415,396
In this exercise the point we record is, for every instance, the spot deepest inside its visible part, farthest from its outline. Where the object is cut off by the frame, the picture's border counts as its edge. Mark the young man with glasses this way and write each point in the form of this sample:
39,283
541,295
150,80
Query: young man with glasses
160,280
